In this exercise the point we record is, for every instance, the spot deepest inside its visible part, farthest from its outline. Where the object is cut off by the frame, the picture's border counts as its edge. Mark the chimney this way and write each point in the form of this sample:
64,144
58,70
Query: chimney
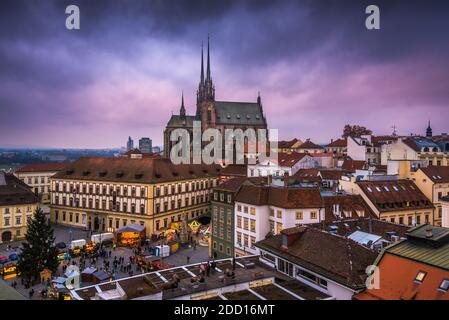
289,236
429,233
286,178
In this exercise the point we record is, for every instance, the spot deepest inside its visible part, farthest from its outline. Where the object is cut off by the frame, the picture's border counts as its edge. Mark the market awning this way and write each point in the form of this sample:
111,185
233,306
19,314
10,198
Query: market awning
134,227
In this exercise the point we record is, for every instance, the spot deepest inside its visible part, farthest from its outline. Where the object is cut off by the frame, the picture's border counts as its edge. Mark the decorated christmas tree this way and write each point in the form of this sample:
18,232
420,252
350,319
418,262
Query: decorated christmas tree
38,251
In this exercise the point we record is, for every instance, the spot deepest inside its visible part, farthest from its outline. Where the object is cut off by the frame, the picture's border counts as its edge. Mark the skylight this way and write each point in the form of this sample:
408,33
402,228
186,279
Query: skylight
420,276
395,188
386,188
369,189
378,189
444,285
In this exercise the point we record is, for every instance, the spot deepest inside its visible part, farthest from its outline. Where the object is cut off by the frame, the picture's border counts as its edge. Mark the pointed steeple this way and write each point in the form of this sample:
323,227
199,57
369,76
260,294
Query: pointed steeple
202,65
429,131
259,99
208,59
182,111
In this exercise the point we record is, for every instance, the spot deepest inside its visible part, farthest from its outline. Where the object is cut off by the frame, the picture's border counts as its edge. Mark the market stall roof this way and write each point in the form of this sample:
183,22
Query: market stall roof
100,275
59,280
133,227
61,288
89,270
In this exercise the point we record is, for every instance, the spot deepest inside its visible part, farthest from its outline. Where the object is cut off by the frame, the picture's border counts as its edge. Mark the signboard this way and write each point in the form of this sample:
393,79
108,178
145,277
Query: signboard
256,284
205,296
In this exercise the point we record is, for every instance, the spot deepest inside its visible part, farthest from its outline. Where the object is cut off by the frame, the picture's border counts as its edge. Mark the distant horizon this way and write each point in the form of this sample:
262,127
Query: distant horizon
122,74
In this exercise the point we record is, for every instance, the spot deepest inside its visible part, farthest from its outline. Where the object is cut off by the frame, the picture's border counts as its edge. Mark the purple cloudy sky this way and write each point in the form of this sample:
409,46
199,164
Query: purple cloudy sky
316,65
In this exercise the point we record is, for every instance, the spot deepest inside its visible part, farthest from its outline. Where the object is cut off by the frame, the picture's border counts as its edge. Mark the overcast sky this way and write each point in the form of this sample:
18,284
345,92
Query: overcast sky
314,62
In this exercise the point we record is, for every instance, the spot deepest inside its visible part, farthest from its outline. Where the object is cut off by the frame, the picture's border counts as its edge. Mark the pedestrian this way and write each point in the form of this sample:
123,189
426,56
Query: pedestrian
233,263
188,259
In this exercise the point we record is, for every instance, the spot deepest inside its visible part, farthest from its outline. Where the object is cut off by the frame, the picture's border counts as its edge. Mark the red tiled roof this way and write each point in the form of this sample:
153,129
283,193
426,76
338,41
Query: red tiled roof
346,227
42,167
287,144
349,204
141,170
397,281
332,174
234,170
395,195
353,165
289,159
331,256
309,145
438,174
232,184
306,175
280,197
339,143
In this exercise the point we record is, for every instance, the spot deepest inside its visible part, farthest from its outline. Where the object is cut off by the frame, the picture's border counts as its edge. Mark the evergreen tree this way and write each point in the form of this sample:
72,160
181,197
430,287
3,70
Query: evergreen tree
38,251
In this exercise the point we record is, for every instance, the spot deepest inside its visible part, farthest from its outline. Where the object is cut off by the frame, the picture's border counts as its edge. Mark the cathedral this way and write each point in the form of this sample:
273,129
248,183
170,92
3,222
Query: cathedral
214,114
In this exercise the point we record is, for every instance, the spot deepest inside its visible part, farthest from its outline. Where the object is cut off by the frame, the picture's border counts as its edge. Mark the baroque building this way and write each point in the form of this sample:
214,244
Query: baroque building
212,113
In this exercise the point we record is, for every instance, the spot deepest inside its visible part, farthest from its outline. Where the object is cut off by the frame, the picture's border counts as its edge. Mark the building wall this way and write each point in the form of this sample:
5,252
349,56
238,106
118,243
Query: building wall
222,227
245,236
267,219
39,183
162,203
13,219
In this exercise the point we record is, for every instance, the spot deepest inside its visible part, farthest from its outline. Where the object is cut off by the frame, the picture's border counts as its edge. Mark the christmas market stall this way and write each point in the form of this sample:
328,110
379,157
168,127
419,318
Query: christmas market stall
130,235
87,274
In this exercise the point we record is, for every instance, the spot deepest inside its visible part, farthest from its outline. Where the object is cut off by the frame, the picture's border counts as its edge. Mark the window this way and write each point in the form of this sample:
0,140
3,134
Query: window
7,220
239,208
410,220
313,215
253,225
252,242
252,211
420,276
279,214
239,221
229,198
444,286
245,223
279,228
299,215
18,220
401,220
239,238
272,226
245,209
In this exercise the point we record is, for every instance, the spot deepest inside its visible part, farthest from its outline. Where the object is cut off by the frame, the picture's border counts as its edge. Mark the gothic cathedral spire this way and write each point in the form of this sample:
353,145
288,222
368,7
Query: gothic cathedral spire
206,88
182,111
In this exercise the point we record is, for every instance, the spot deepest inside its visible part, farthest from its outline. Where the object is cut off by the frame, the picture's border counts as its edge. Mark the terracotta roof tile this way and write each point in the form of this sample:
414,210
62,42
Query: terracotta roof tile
143,170
42,167
332,256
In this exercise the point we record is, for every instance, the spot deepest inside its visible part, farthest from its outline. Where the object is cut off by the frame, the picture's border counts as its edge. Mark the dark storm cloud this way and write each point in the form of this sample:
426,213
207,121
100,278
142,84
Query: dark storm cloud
134,57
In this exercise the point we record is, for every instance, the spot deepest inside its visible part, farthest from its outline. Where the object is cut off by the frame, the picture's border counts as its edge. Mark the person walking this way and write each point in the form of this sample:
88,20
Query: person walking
188,259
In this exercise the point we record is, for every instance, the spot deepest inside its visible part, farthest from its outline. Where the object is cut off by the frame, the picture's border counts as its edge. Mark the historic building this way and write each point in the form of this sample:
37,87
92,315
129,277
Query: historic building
37,176
214,114
17,204
104,194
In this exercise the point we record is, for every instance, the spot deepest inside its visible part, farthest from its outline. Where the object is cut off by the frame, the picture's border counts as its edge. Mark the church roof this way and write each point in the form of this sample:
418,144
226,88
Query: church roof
177,121
239,113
